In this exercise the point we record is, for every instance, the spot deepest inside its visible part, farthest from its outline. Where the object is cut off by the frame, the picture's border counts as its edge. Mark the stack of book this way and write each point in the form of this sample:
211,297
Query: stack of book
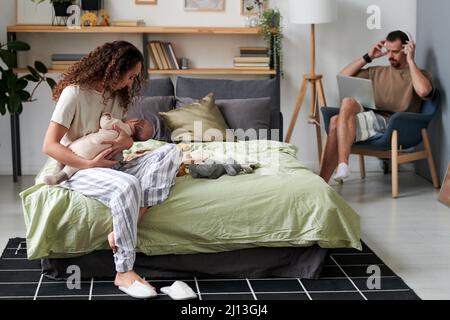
62,62
163,56
253,58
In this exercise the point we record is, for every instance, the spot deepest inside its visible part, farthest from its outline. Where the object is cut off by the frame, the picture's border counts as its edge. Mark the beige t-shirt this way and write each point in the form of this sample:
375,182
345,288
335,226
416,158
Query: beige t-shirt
80,110
393,89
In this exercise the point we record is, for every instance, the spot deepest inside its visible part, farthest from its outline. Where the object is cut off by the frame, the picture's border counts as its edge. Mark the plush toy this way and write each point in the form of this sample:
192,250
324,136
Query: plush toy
88,20
105,18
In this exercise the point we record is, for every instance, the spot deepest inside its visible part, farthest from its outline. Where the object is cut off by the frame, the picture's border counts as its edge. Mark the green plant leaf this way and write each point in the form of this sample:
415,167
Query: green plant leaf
24,95
14,104
3,101
12,81
20,85
18,46
51,82
8,58
40,67
30,77
34,72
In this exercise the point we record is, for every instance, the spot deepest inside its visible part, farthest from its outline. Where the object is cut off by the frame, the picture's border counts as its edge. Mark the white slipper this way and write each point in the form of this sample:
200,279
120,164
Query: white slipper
139,290
179,291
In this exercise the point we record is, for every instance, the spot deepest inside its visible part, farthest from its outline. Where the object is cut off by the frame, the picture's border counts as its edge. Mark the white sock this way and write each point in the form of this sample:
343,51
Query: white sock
343,172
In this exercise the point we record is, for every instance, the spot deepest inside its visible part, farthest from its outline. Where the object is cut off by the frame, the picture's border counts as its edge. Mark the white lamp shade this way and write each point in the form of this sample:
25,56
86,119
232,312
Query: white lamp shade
312,11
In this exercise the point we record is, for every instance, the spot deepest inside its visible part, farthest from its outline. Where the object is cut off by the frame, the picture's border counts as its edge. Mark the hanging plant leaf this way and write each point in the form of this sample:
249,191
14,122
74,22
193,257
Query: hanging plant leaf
8,58
34,73
20,85
30,77
51,82
12,81
18,46
40,67
24,95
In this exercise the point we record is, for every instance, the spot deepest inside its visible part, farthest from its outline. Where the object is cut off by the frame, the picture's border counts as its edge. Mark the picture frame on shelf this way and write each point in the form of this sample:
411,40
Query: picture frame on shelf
204,5
250,7
444,195
146,1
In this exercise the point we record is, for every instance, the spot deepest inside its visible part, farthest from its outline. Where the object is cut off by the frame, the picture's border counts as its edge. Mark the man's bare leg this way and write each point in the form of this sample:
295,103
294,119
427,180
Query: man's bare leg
330,157
346,134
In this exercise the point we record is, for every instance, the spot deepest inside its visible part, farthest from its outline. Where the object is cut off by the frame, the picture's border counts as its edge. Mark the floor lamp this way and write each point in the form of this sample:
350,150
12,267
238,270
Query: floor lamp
311,12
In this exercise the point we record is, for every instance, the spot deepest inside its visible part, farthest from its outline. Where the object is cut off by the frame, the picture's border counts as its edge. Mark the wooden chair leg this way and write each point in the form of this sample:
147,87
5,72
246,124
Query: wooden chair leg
426,143
394,151
362,167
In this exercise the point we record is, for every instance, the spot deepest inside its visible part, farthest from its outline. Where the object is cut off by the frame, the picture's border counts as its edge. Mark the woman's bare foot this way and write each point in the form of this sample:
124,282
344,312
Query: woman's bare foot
126,279
112,242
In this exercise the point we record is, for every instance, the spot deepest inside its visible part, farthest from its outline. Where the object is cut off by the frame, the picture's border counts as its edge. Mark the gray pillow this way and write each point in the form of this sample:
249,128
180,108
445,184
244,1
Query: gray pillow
158,88
242,114
148,108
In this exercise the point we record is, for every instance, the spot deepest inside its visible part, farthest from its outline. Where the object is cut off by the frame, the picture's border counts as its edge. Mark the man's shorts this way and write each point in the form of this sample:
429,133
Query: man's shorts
369,124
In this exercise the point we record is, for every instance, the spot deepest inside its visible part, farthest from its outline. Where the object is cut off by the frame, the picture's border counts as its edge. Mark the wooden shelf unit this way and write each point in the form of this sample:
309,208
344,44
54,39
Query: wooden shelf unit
180,30
145,31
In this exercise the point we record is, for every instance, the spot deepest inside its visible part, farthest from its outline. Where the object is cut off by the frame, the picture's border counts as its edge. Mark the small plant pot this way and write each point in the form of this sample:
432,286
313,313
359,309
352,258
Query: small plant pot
91,5
61,8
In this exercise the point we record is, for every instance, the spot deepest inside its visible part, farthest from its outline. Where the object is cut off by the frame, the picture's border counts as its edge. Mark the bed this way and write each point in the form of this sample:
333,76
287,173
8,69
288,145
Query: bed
276,222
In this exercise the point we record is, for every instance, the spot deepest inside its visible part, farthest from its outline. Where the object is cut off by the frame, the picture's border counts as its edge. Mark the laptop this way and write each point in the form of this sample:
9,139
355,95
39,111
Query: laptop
359,89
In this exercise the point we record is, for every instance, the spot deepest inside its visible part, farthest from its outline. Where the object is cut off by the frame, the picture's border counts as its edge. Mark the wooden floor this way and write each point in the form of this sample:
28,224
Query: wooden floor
410,234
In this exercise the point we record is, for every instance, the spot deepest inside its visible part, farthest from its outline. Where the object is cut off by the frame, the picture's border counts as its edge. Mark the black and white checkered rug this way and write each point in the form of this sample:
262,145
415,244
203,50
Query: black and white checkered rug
345,276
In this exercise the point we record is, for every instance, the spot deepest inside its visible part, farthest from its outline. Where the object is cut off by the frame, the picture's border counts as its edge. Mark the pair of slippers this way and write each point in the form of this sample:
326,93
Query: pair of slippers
177,291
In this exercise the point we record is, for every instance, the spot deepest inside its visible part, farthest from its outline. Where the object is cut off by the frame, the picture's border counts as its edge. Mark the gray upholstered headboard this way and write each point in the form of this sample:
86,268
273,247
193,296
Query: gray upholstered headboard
234,89
223,89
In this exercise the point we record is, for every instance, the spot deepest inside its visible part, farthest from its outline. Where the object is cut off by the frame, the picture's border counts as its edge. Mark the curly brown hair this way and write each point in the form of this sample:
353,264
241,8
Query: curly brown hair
106,65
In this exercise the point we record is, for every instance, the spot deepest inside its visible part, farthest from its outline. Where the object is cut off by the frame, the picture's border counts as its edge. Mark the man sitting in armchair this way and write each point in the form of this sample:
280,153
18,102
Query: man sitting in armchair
399,87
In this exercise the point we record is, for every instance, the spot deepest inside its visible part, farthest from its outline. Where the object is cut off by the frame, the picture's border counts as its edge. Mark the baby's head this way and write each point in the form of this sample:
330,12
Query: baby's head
142,129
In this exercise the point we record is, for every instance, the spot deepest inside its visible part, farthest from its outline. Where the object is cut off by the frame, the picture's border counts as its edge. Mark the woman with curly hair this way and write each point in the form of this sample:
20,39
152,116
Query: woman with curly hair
107,81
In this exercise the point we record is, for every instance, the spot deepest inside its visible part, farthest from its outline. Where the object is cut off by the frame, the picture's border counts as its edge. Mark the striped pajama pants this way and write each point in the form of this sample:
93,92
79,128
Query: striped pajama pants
140,183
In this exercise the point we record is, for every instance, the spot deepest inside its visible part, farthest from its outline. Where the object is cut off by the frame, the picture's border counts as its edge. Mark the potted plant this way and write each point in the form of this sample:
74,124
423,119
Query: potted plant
271,27
91,5
60,6
13,91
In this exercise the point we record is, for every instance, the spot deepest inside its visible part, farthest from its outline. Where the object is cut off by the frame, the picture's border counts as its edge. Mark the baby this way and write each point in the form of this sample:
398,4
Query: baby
89,146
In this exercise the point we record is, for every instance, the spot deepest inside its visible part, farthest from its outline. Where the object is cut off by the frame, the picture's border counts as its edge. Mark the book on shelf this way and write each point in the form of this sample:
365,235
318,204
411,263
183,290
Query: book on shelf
252,60
252,68
68,62
155,55
159,48
173,56
163,56
67,57
128,23
254,50
251,65
165,49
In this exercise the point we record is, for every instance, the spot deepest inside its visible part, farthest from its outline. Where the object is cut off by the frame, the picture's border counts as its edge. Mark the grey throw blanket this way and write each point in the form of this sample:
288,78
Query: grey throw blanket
213,169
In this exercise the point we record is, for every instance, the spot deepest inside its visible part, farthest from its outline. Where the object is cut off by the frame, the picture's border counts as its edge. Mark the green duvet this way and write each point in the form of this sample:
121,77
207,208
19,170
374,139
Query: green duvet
282,204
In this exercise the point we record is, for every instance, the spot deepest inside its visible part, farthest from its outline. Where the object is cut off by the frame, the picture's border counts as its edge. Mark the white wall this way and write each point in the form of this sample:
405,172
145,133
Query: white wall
338,44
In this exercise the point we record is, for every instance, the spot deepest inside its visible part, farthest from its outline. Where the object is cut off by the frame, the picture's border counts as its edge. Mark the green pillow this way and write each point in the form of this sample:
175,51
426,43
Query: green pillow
200,121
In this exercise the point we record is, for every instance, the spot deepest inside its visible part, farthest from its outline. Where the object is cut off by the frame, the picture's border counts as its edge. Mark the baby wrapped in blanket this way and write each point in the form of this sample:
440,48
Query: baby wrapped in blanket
91,145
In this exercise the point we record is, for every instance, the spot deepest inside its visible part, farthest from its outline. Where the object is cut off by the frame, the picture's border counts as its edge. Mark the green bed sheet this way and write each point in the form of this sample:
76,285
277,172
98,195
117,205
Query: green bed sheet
282,204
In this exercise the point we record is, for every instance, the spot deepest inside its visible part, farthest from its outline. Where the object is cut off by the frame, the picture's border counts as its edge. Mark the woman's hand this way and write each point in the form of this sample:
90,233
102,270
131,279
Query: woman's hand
123,142
101,160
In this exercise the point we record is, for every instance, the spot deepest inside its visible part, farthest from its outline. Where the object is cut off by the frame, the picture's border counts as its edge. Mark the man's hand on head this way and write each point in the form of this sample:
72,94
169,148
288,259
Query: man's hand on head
377,50
410,51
